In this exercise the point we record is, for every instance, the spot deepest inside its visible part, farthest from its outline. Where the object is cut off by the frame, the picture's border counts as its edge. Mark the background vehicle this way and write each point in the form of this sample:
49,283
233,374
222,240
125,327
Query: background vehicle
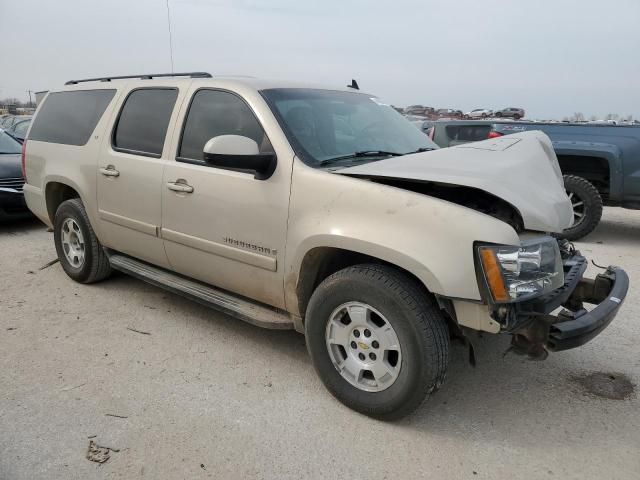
601,163
10,120
479,113
19,129
265,201
511,112
447,113
12,204
418,110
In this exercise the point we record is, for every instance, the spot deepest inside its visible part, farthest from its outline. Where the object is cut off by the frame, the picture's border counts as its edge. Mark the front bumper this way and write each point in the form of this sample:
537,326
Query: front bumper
538,329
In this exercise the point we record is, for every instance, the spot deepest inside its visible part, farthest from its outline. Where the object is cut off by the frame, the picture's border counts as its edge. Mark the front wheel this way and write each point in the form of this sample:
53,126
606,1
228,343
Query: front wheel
377,341
587,207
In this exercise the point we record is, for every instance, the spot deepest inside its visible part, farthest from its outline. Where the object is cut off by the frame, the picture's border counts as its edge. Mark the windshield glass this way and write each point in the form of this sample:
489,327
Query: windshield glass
8,145
327,127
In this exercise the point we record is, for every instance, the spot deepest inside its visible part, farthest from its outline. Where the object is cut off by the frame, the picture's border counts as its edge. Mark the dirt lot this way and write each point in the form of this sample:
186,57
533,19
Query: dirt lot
205,396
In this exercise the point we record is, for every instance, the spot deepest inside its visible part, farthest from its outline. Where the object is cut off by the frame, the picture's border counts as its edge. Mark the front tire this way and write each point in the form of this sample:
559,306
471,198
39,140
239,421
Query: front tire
587,207
377,340
79,251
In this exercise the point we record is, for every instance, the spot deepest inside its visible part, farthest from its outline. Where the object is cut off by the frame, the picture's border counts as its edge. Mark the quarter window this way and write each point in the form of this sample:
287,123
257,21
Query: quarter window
213,113
143,122
70,117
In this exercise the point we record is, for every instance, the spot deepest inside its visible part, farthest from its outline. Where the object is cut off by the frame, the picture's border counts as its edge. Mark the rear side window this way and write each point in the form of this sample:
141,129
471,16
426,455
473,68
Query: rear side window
142,125
468,133
213,113
70,117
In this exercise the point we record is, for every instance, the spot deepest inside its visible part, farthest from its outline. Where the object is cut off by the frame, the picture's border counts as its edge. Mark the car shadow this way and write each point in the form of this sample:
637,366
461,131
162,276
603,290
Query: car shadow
20,226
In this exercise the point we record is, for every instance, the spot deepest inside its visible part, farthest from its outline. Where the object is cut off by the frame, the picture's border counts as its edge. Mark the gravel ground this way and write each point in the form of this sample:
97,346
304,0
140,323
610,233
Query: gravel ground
205,396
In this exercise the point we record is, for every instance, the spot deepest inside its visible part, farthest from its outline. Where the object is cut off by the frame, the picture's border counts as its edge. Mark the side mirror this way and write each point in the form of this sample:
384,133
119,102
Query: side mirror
235,152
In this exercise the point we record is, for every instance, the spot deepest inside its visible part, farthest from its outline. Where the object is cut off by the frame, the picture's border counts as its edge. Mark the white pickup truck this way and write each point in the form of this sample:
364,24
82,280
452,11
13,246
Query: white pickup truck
319,209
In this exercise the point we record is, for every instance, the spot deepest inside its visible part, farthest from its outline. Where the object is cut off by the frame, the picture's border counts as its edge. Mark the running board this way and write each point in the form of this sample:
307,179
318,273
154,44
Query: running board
239,307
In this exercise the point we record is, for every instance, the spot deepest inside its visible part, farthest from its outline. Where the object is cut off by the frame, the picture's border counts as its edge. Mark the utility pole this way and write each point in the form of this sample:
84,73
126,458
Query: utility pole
30,102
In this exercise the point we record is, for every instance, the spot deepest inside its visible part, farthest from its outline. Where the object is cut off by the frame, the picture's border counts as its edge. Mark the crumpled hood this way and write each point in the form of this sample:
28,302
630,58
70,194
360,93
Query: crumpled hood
521,169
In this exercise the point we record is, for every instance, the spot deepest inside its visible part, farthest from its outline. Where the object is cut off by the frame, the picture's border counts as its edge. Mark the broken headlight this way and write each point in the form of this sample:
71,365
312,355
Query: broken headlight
517,273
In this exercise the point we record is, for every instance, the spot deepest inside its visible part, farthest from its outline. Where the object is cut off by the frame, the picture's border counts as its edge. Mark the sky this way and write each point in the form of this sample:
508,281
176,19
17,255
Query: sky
551,57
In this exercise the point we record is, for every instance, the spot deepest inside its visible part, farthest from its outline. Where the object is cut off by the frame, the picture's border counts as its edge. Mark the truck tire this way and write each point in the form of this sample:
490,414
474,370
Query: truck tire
79,251
378,342
587,207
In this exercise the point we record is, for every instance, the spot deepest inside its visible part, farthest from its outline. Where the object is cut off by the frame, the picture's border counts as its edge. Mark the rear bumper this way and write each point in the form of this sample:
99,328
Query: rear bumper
540,329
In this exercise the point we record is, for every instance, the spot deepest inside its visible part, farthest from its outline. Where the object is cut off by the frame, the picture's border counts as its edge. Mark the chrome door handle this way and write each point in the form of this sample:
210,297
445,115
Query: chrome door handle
110,171
181,187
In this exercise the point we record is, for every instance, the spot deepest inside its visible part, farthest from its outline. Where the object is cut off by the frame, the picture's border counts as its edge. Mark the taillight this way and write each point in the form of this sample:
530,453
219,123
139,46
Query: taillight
493,134
24,158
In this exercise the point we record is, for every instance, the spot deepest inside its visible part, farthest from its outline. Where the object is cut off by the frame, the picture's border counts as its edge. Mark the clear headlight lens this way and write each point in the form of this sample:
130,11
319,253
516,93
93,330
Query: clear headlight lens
517,273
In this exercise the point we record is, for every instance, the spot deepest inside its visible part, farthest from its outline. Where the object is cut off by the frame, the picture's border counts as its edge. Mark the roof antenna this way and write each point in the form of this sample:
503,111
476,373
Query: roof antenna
354,84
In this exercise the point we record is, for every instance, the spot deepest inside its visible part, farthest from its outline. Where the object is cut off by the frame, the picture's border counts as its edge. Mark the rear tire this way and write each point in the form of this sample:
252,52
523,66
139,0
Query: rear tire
498,114
79,251
396,304
587,207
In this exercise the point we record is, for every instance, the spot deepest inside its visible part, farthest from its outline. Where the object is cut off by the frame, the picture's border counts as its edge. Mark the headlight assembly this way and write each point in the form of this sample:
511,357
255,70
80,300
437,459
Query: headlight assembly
517,273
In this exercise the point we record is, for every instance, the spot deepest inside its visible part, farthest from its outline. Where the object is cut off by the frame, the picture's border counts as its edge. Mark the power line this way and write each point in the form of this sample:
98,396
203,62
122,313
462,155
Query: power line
170,39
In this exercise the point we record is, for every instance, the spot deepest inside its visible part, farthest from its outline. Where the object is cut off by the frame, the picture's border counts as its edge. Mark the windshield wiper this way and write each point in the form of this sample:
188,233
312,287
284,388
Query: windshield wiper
420,150
360,154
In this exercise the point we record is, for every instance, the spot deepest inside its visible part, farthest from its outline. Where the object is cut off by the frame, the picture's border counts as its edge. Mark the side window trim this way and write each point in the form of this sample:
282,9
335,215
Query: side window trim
117,122
194,161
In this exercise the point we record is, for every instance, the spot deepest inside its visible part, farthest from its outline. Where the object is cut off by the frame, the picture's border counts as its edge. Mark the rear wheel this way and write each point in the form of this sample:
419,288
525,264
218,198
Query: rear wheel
498,114
587,207
377,341
79,251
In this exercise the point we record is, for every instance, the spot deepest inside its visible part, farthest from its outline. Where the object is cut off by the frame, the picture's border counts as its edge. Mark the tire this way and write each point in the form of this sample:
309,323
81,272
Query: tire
421,330
516,116
498,114
95,263
588,204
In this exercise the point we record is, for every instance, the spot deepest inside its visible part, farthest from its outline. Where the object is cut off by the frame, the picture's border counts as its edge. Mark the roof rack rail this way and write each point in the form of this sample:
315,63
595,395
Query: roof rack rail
147,76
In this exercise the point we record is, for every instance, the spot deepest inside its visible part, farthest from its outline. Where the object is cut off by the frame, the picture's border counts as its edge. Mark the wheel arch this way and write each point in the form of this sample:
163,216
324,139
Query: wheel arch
320,261
56,192
599,164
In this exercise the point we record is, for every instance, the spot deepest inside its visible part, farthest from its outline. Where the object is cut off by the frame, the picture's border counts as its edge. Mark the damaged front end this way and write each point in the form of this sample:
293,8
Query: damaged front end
556,319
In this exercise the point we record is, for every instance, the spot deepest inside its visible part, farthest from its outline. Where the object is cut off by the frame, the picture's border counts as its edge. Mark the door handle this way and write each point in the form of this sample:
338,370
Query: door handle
109,171
180,186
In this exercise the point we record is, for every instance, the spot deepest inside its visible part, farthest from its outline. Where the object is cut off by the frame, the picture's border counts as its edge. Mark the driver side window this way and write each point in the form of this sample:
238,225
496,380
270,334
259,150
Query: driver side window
213,113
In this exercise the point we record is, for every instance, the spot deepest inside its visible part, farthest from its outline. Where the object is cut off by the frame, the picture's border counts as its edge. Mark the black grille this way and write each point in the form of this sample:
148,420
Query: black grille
15,183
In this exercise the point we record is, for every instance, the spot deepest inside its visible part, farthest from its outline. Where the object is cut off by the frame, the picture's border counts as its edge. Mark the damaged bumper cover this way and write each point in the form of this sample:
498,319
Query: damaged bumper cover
538,330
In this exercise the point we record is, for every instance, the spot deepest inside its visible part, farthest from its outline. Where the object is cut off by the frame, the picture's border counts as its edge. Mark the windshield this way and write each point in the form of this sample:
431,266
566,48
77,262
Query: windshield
328,127
8,145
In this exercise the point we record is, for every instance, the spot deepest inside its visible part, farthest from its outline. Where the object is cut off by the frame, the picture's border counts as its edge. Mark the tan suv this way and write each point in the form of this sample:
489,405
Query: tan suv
324,210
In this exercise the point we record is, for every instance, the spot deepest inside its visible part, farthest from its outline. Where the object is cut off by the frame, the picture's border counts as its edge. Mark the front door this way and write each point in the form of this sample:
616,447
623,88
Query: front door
220,226
129,175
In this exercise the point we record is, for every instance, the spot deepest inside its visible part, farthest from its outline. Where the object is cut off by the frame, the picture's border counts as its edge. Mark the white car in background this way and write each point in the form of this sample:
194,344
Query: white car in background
479,113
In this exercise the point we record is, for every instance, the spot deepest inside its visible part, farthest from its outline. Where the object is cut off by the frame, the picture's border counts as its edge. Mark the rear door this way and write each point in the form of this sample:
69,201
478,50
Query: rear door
130,168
